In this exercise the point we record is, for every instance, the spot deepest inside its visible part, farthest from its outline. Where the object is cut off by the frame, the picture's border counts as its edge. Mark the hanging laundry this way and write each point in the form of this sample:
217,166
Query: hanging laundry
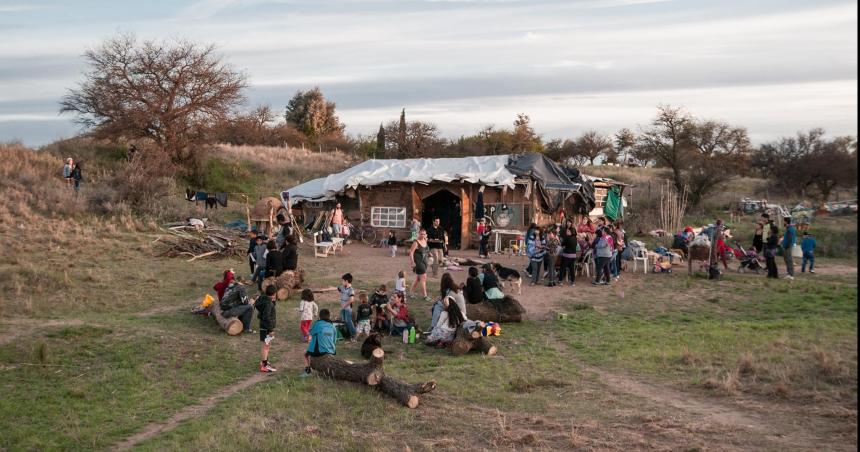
190,195
222,199
211,202
201,196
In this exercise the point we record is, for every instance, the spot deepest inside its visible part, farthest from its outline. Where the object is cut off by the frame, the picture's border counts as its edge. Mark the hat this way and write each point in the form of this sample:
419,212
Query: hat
688,229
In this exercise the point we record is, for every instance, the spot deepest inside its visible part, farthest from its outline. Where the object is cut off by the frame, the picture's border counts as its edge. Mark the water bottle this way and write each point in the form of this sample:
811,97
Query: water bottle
412,335
405,336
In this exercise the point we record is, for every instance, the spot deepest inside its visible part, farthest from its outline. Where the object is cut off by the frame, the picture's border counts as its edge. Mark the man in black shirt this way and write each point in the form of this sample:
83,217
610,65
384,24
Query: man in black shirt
435,241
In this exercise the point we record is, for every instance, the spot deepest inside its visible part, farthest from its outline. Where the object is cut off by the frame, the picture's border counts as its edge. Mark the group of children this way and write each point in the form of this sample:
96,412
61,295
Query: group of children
378,313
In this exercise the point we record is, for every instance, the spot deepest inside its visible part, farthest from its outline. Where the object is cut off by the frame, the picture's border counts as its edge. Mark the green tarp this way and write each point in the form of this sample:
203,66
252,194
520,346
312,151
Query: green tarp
612,206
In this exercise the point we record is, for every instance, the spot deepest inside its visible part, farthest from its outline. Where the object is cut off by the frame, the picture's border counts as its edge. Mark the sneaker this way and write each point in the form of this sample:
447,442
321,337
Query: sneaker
267,368
811,271
305,374
596,283
250,331
789,277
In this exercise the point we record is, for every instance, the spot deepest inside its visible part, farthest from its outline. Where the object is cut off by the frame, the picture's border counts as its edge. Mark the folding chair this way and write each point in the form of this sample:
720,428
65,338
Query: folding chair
585,263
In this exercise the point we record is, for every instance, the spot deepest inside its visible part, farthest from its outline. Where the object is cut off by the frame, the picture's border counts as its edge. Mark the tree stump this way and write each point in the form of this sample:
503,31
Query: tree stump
507,309
464,341
406,393
232,325
286,282
369,373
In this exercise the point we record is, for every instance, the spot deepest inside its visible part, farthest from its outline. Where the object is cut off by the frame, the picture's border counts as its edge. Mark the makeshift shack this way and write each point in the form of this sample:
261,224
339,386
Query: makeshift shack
388,194
609,199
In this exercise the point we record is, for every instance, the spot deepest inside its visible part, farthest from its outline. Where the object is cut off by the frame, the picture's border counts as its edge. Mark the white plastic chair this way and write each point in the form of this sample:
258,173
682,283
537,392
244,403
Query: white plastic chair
640,255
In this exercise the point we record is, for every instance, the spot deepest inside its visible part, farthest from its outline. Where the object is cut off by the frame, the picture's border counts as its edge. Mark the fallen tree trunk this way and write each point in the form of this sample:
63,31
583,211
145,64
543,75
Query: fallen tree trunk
369,373
507,309
406,393
232,325
465,341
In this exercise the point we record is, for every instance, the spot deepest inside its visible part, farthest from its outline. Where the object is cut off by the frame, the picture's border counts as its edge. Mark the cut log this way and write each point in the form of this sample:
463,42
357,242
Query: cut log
369,373
232,325
286,283
507,309
405,393
464,341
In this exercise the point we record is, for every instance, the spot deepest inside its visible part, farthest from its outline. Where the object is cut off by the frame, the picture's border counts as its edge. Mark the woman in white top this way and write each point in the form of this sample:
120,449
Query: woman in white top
446,327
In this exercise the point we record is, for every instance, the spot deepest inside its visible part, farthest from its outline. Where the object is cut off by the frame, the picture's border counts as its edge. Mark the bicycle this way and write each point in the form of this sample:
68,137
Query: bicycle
365,232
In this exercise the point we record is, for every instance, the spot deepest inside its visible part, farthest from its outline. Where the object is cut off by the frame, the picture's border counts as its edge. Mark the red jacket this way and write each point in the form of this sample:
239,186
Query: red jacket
221,286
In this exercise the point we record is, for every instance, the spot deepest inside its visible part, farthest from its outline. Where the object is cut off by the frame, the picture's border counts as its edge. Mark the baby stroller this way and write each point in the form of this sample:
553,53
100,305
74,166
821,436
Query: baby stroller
749,260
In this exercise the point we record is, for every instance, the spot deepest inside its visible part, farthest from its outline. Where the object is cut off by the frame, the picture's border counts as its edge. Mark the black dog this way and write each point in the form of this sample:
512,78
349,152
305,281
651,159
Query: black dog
510,275
373,341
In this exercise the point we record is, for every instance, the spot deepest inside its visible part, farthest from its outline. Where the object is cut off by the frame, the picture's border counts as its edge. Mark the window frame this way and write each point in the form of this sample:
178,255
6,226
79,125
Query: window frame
376,220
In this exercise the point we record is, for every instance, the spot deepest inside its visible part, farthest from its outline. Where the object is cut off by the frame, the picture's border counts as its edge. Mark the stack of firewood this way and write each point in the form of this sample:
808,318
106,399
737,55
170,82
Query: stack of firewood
196,243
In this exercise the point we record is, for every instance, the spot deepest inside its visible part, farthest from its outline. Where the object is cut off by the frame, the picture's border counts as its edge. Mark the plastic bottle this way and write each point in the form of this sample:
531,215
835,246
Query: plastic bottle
412,335
405,336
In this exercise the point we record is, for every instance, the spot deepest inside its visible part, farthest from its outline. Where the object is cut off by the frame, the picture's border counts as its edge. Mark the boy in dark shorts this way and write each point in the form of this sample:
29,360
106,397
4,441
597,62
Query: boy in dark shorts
265,305
378,301
323,337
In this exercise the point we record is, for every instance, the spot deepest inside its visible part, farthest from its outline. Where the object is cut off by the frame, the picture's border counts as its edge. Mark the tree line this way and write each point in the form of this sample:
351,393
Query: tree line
181,96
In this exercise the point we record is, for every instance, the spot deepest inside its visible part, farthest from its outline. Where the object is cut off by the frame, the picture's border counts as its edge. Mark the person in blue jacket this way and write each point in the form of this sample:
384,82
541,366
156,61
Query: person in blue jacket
807,245
323,336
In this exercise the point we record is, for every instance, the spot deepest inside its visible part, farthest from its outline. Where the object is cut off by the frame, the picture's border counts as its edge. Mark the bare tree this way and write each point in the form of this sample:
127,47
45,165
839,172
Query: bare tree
524,137
420,139
591,145
169,92
701,154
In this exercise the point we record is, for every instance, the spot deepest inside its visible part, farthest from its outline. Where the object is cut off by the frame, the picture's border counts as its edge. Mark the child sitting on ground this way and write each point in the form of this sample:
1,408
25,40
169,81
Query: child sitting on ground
308,311
378,302
323,337
265,305
363,314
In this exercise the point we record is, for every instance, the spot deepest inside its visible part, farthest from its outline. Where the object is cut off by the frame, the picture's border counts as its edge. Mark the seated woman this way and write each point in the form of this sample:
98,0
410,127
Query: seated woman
399,314
221,286
490,284
445,329
473,290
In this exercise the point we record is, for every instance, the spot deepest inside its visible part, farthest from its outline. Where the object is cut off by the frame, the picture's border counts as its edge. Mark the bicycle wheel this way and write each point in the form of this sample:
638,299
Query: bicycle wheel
368,235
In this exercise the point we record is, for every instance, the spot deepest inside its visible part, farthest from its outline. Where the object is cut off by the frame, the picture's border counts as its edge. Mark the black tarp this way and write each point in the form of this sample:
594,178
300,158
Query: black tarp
561,186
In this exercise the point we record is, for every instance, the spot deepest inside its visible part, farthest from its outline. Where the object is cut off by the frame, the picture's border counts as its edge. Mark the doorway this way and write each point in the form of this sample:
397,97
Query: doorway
446,206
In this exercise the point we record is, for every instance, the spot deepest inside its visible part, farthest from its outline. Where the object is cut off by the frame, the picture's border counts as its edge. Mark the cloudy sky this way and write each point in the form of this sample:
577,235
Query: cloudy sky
775,67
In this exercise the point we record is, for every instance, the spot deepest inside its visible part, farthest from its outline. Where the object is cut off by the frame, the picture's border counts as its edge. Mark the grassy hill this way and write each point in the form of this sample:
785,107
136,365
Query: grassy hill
97,343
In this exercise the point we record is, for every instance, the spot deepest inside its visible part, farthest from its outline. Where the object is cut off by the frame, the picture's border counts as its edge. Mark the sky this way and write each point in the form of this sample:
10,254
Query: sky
774,67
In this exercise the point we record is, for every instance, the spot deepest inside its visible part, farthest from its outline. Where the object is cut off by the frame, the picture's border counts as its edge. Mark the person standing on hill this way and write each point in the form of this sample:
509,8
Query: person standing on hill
77,177
436,241
788,242
67,171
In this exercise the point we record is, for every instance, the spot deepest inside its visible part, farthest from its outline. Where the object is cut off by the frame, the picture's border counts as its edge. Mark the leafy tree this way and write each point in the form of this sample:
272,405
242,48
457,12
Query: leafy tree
380,141
624,143
524,138
169,92
591,145
311,113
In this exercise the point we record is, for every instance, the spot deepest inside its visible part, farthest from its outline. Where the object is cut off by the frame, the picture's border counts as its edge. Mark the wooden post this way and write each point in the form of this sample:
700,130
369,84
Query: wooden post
247,211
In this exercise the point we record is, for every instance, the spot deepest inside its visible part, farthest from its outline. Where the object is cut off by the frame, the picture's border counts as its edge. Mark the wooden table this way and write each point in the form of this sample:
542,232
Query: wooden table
520,239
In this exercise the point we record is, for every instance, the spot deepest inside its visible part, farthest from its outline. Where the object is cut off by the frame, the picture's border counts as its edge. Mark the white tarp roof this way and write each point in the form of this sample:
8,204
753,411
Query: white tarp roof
487,170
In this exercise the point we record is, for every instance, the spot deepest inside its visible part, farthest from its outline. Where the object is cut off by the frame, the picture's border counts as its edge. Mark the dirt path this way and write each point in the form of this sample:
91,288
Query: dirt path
292,360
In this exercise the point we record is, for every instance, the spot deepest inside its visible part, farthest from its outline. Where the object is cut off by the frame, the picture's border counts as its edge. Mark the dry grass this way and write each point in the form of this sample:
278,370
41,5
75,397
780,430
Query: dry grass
728,383
746,364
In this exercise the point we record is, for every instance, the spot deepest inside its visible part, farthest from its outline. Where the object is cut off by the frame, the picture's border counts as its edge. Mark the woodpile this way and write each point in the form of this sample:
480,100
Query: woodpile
288,282
371,374
465,341
197,243
507,309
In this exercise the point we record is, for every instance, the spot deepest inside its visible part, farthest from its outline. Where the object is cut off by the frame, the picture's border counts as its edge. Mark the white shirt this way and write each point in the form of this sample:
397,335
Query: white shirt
308,310
400,285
